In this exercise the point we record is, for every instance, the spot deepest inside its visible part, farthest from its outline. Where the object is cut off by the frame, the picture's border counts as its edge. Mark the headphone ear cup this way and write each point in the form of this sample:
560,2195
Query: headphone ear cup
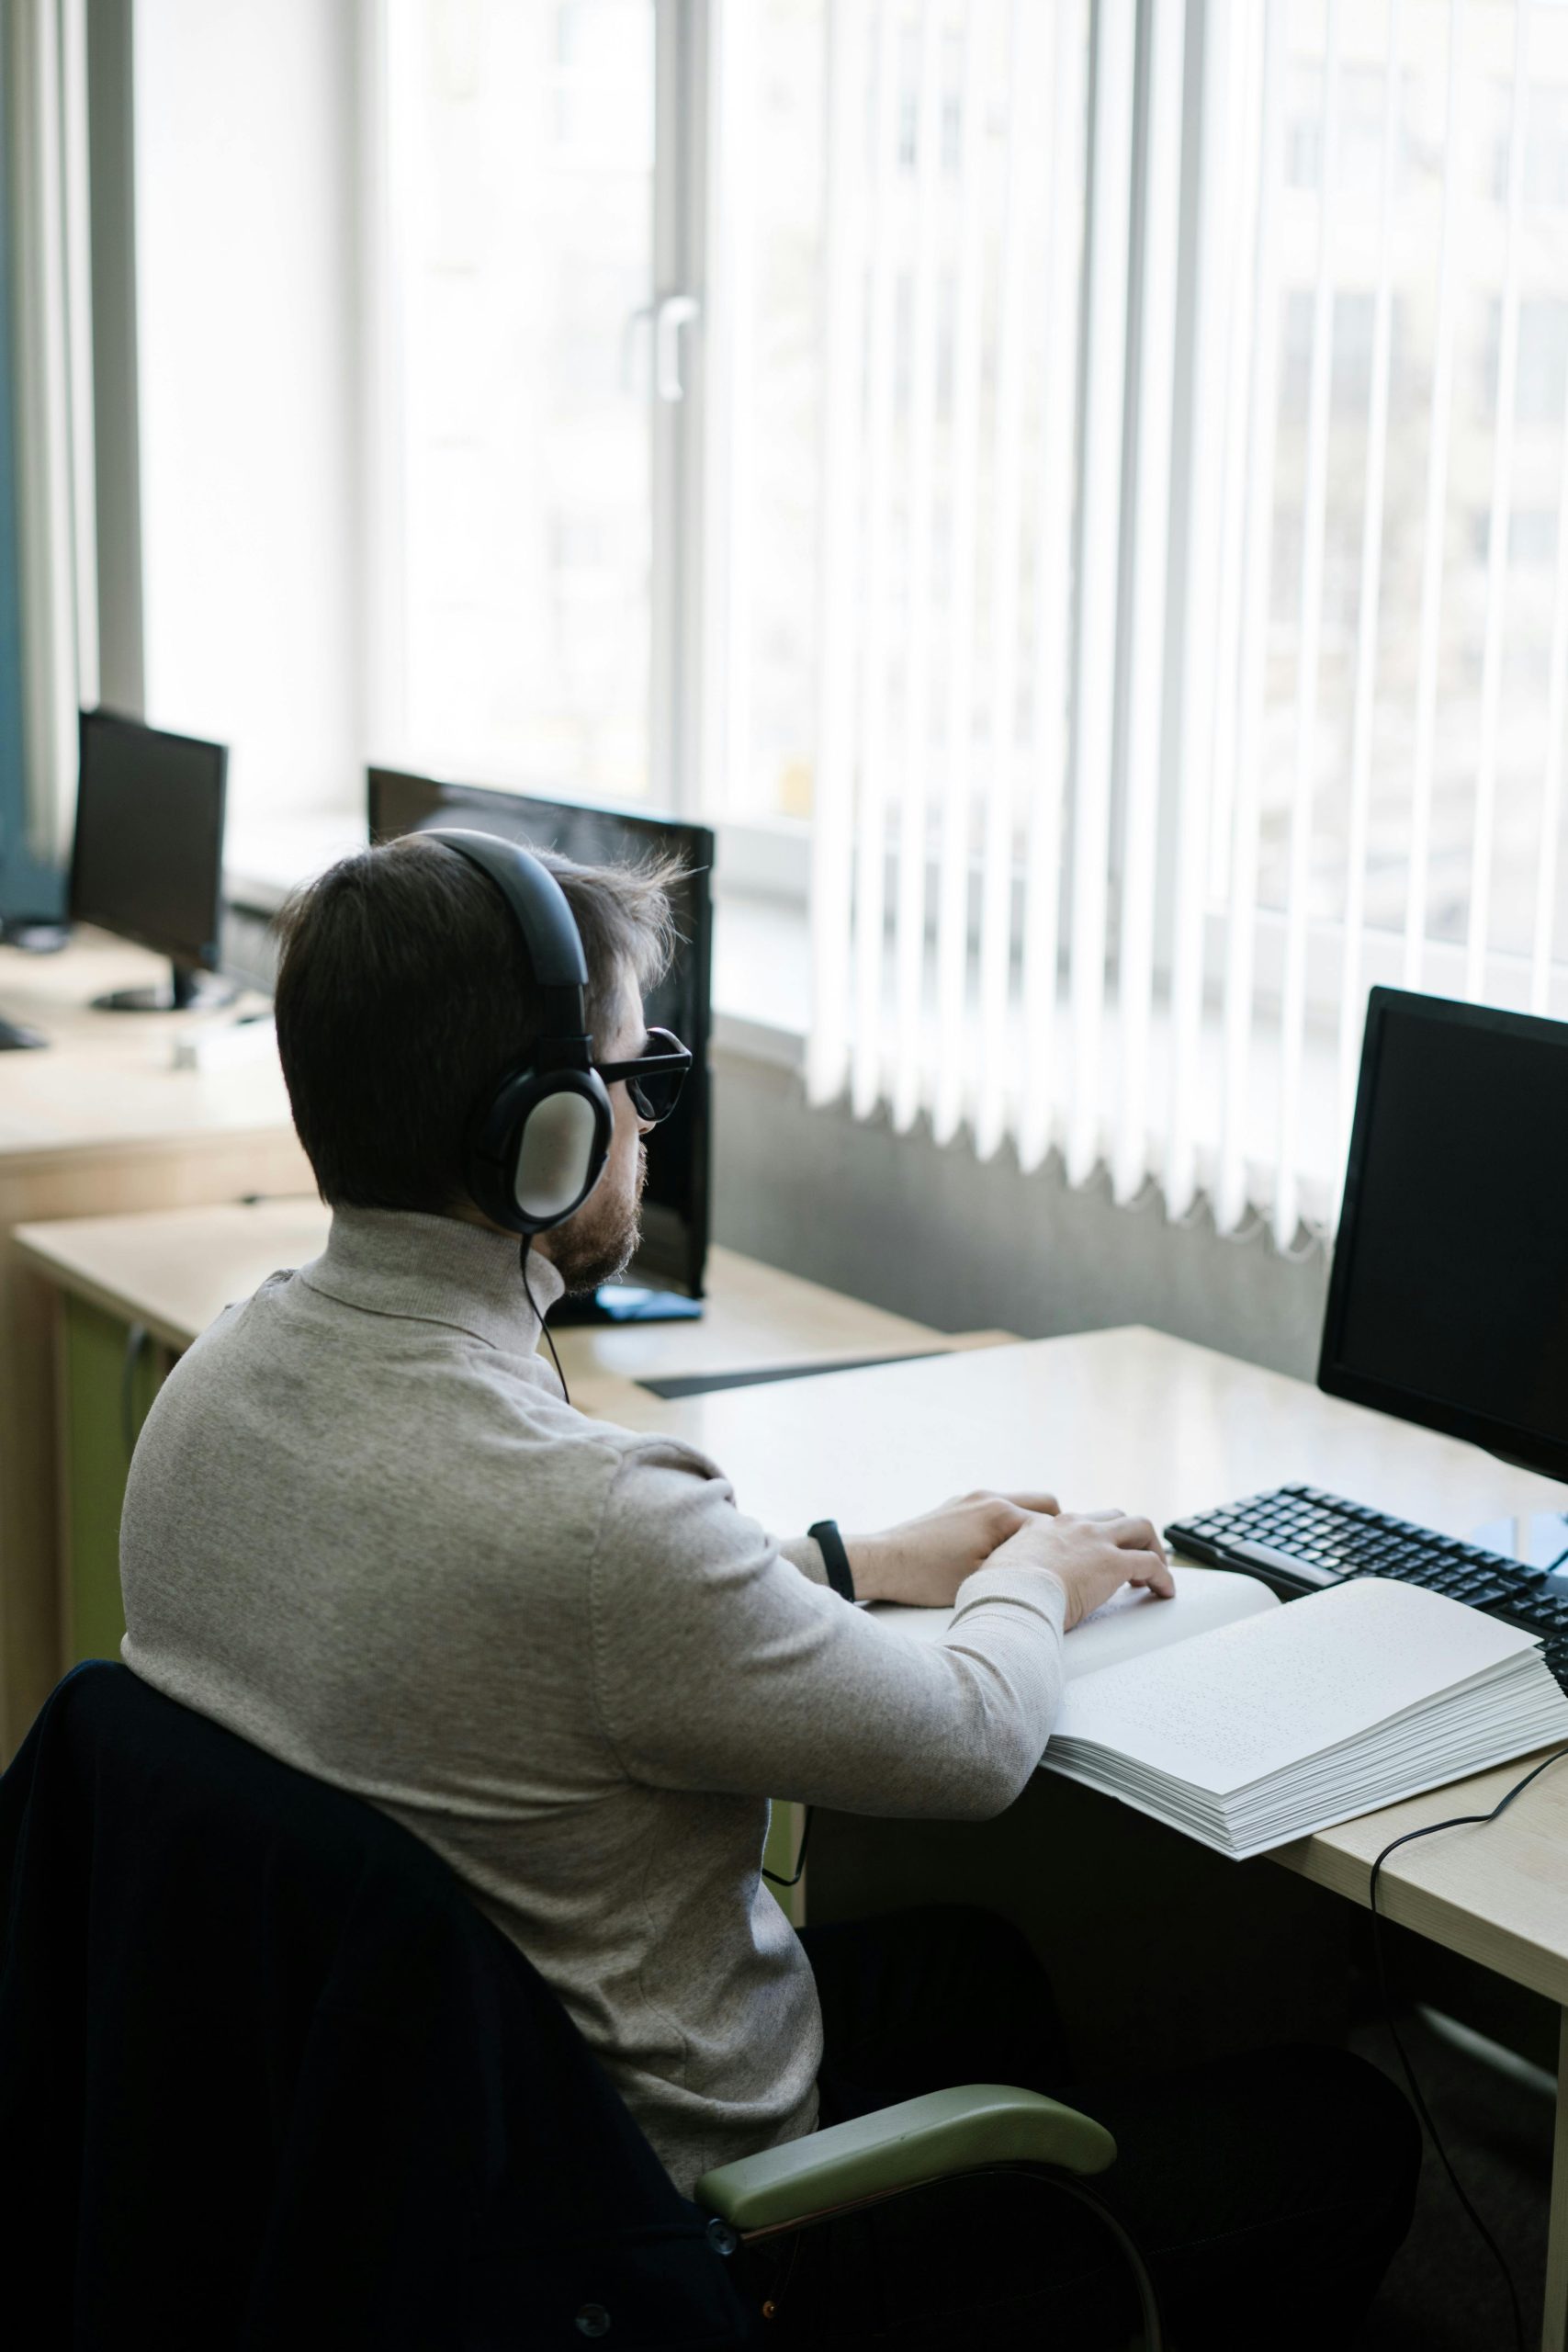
559,1159
541,1147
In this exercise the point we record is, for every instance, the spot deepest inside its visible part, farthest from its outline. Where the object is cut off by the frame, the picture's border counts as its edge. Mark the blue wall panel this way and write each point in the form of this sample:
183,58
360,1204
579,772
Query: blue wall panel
26,886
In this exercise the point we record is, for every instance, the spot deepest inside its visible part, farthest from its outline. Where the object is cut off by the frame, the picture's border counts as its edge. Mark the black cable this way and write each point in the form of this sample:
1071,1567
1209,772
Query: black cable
550,1335
1460,1821
793,1880
135,1342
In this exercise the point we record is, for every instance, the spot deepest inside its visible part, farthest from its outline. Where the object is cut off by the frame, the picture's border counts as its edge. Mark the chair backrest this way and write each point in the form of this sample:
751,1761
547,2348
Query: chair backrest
267,2075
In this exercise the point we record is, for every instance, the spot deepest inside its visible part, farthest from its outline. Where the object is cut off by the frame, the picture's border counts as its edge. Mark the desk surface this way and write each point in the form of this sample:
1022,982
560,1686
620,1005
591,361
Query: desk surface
107,1078
1136,1418
99,1120
175,1270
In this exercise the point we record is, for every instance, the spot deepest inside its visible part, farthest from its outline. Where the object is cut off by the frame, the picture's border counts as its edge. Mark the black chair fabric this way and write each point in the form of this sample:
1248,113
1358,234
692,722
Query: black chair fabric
268,2079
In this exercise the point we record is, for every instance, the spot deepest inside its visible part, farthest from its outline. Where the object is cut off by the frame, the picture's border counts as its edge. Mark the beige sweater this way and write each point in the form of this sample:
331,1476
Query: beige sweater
364,1529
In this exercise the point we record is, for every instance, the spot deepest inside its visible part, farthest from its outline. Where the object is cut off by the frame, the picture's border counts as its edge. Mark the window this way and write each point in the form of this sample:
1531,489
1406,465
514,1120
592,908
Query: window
1113,508
522,149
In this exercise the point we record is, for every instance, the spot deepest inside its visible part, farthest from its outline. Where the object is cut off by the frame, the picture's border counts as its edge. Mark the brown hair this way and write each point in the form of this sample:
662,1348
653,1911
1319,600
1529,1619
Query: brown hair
404,990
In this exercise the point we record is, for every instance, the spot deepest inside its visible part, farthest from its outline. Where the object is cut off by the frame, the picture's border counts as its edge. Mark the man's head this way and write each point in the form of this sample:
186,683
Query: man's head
404,991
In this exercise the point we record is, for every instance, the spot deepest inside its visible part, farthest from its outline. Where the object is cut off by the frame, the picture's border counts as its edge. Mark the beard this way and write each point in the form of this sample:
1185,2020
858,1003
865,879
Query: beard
599,1243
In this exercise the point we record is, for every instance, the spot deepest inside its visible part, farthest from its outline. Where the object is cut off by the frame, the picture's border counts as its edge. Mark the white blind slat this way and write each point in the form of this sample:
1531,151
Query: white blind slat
1105,329
1544,935
871,850
1231,1186
1352,1000
1435,517
832,829
1220,344
1146,690
1309,647
1243,151
1497,532
953,907
1014,294
1043,870
911,927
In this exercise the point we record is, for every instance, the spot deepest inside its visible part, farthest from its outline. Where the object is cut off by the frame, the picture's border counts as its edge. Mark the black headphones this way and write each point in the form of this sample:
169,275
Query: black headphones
538,1141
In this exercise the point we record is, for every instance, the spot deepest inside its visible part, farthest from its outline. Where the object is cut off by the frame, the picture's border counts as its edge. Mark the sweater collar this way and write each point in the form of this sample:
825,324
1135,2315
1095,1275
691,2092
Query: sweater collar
435,1270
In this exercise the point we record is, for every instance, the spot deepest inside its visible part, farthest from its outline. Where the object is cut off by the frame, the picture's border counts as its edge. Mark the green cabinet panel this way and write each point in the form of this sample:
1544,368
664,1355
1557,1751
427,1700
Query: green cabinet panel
780,1854
111,1375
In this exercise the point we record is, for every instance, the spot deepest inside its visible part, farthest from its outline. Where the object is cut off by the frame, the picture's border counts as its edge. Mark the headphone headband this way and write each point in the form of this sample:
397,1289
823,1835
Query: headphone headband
535,898
539,1137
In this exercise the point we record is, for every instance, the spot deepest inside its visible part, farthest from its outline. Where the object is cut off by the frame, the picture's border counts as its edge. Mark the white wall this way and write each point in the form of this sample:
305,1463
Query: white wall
247,323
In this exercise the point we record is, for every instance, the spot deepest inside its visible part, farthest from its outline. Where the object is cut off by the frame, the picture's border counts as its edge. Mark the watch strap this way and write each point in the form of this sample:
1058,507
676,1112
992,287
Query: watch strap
835,1558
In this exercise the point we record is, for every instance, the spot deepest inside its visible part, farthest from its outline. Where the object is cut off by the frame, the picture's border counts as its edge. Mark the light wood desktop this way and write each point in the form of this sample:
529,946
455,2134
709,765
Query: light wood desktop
99,1120
172,1273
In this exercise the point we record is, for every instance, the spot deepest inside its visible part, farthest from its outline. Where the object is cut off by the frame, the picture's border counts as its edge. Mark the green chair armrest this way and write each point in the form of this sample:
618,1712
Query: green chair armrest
920,2139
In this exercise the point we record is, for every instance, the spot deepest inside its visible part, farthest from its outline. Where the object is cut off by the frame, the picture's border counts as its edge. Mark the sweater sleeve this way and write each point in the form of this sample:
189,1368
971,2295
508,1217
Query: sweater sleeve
718,1666
804,1552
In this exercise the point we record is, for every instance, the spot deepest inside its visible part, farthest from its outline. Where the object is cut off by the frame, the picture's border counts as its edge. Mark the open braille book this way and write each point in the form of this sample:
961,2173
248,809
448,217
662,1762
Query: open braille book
1248,1724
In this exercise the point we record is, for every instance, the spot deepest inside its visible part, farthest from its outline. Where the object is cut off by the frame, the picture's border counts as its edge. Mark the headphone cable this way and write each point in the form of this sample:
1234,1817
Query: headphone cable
1459,1821
550,1335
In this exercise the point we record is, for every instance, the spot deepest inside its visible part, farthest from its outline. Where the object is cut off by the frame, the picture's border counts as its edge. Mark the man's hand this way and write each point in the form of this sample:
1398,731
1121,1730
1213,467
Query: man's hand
923,1561
1091,1558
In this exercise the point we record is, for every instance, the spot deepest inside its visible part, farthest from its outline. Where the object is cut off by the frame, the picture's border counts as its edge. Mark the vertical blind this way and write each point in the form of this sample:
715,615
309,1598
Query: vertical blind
1194,577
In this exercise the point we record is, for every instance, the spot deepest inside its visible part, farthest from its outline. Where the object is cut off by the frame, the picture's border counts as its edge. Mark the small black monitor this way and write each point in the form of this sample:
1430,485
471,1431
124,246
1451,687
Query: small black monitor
673,1250
148,858
1448,1302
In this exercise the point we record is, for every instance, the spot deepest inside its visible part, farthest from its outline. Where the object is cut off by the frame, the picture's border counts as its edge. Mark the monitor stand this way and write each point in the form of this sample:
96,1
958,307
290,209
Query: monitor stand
1538,1539
626,1302
188,991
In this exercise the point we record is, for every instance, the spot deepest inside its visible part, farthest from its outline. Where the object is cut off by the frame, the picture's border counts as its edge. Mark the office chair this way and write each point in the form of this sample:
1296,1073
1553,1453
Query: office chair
268,2077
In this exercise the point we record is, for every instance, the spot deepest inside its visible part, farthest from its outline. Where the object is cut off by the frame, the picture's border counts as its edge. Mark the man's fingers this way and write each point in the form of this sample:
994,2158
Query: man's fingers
1136,1535
1045,1503
1146,1569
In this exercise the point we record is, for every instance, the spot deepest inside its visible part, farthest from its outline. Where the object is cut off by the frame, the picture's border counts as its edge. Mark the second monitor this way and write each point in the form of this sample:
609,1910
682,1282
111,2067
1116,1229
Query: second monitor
667,1273
147,862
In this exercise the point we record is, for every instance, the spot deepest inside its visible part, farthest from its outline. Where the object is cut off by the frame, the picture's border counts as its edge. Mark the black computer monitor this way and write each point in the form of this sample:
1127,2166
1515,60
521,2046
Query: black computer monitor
1448,1304
668,1268
148,858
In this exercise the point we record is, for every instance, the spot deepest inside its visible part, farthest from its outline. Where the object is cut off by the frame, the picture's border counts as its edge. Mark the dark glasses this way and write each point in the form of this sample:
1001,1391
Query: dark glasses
654,1081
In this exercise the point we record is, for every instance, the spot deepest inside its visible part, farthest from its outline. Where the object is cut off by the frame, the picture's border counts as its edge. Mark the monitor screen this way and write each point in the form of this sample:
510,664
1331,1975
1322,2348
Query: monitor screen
1448,1302
148,861
675,1205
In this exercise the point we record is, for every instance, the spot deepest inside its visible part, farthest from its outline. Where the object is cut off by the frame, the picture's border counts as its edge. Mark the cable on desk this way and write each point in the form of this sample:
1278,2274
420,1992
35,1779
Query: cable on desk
1459,1821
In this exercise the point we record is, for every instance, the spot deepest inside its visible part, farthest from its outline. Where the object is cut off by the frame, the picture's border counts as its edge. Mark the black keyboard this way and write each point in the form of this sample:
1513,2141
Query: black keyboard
1299,1540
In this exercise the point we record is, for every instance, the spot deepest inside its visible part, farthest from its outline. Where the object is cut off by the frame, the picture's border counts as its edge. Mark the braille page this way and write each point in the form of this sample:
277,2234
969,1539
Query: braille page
1130,1622
1254,1698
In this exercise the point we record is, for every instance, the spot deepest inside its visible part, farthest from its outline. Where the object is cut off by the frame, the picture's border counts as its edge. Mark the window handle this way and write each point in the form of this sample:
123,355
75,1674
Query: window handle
675,312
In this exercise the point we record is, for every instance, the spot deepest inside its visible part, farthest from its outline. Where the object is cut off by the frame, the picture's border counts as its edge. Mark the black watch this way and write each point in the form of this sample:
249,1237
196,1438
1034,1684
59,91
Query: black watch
835,1558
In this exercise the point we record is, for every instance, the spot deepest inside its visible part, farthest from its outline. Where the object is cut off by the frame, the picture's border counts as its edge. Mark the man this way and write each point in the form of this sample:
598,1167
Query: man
365,1530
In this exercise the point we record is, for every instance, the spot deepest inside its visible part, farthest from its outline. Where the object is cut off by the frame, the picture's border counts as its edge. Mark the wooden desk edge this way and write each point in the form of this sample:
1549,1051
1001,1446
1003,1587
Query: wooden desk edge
70,1280
1402,1900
